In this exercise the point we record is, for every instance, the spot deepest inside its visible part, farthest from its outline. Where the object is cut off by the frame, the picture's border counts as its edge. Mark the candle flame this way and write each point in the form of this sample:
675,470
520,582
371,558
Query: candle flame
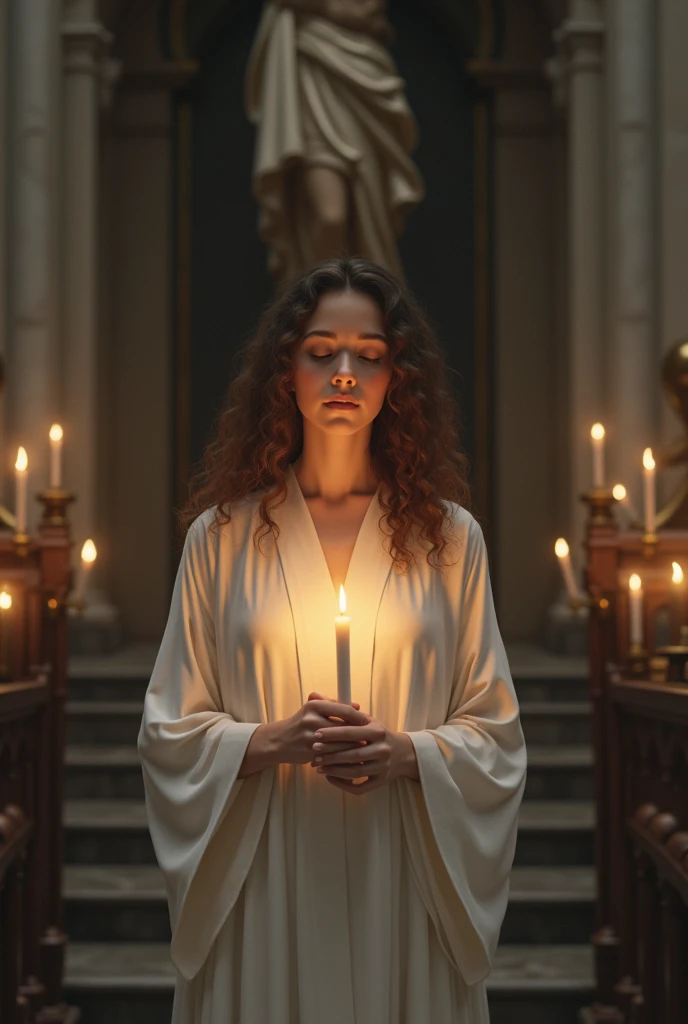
597,432
619,492
342,600
561,548
22,460
56,432
677,574
5,600
88,551
634,582
648,461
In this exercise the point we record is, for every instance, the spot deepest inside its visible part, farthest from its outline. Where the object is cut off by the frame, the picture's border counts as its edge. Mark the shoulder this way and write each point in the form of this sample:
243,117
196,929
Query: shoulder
211,526
464,525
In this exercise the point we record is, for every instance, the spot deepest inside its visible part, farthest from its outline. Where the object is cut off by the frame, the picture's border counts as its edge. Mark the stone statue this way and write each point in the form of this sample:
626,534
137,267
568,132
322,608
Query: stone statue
332,171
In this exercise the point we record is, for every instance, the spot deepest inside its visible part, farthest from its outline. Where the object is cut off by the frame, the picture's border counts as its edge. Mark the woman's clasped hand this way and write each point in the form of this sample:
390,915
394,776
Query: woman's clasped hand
377,754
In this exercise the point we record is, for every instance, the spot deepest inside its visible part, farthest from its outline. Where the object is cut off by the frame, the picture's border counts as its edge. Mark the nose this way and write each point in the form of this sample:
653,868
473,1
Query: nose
344,372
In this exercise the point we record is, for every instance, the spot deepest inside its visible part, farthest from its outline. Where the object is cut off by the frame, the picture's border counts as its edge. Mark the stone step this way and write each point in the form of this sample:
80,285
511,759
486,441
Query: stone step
117,722
555,832
133,982
555,722
128,902
103,772
551,832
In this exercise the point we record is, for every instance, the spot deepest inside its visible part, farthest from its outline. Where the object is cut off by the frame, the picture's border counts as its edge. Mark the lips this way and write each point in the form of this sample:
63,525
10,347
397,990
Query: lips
346,403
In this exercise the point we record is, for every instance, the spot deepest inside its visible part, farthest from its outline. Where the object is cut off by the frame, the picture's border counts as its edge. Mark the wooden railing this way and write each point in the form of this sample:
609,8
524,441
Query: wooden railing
640,735
33,645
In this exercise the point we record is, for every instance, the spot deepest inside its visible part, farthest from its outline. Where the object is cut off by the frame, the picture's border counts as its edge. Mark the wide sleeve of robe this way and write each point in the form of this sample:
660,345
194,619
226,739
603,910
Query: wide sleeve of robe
460,818
204,822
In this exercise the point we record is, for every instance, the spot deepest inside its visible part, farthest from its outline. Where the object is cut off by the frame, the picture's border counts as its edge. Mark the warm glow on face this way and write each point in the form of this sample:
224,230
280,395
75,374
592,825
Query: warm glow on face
56,432
677,573
597,432
561,548
648,461
619,492
5,600
88,551
342,600
634,583
22,460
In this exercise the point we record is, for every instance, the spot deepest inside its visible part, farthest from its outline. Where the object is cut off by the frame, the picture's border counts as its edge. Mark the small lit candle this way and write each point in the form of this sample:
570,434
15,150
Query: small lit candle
677,602
56,434
597,435
621,495
649,474
342,624
21,467
635,604
5,634
88,557
561,550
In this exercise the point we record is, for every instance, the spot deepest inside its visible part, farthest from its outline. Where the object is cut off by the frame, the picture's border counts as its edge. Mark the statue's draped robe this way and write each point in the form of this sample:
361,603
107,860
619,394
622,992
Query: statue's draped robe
292,902
324,95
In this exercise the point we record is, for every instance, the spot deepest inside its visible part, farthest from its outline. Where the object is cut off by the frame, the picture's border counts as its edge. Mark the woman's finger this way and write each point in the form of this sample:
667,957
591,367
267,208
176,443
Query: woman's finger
351,771
371,752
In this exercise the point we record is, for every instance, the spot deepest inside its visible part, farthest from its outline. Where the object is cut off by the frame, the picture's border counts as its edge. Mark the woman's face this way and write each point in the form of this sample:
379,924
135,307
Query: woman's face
343,352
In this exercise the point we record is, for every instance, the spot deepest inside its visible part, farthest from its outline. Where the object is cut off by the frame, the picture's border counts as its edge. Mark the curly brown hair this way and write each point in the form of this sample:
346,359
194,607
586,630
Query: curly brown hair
414,438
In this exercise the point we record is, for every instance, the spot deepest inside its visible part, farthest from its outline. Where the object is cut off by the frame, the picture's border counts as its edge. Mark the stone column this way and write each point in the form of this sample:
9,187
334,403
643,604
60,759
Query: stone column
85,43
634,358
576,73
33,361
581,36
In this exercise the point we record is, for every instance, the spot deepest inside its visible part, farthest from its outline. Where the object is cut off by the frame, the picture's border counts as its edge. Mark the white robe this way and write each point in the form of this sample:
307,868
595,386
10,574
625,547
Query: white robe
292,902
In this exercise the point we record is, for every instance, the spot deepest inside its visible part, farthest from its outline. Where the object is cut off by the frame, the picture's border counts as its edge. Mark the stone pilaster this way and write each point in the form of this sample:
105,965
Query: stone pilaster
33,389
85,43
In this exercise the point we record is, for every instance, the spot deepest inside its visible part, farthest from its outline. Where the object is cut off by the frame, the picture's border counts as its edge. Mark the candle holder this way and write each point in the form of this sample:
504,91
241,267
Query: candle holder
602,604
650,545
600,500
55,501
658,669
22,543
77,603
677,662
637,662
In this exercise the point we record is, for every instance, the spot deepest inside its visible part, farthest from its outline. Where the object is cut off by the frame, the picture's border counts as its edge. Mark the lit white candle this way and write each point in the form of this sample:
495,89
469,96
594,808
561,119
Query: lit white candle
561,550
342,624
635,604
597,435
621,495
5,635
88,557
677,602
649,474
21,467
56,434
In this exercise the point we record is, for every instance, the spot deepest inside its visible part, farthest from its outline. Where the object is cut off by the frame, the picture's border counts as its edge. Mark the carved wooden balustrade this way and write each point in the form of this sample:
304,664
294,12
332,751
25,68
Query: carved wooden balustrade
640,735
33,650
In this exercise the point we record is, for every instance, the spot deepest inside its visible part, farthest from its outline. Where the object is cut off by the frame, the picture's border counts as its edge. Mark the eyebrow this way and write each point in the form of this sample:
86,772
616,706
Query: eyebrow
361,337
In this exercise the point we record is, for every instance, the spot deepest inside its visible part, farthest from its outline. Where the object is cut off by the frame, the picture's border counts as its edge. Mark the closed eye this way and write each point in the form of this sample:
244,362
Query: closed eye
367,359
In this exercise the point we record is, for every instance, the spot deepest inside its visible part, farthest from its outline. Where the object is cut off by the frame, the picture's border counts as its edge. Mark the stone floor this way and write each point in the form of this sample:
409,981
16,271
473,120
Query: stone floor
112,886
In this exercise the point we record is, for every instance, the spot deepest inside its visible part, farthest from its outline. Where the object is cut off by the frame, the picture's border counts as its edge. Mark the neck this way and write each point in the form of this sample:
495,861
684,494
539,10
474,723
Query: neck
335,467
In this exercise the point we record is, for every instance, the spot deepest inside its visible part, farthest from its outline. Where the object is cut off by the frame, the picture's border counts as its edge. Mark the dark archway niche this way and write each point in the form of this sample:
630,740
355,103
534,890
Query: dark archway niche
446,247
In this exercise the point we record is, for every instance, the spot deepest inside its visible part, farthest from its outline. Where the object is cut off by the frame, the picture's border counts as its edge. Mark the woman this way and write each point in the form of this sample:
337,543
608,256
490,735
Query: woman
298,892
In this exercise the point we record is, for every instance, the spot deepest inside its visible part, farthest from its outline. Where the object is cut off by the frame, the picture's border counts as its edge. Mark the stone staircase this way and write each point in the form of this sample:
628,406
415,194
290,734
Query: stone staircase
118,967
